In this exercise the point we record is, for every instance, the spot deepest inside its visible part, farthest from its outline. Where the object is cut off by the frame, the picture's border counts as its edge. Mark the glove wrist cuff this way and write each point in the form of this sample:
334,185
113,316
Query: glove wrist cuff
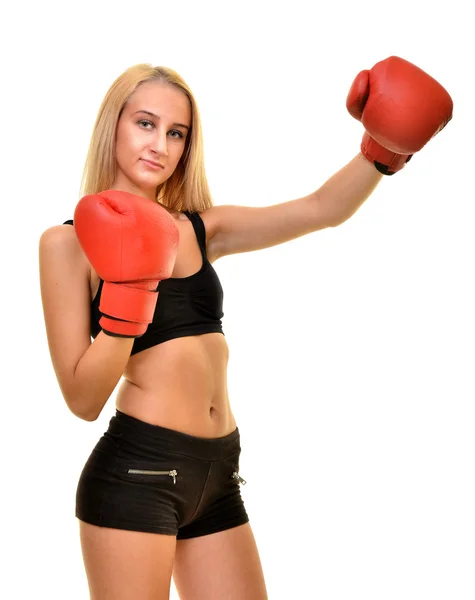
385,161
121,329
127,303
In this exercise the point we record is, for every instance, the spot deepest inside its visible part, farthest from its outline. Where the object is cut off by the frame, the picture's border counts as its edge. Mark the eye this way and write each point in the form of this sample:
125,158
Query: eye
143,123
176,134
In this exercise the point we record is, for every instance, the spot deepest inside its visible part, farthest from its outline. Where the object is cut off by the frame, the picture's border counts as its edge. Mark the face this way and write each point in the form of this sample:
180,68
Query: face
151,136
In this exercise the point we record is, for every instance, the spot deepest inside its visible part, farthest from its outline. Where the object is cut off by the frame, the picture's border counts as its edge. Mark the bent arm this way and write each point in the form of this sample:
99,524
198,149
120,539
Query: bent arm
87,373
96,375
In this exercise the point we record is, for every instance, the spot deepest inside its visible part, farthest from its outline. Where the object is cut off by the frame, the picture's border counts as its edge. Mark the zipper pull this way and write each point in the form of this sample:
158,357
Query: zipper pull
240,480
173,474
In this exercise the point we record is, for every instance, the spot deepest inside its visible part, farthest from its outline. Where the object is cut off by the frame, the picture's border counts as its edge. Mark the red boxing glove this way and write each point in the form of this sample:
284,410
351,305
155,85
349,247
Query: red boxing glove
132,243
401,108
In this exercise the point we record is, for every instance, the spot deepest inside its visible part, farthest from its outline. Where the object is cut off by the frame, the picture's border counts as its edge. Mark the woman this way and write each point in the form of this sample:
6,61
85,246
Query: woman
159,495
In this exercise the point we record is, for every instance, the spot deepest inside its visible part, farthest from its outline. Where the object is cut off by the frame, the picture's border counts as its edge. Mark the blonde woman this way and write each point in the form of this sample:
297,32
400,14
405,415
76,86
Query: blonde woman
129,290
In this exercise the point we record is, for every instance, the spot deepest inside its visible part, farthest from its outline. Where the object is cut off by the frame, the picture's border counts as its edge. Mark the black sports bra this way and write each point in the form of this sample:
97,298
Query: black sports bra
186,305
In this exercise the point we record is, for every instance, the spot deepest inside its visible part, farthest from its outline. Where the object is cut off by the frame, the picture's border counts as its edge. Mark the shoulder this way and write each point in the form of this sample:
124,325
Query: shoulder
59,243
212,220
60,238
211,217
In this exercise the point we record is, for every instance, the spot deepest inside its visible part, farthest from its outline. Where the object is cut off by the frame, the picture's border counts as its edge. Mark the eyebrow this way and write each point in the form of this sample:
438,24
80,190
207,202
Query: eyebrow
147,112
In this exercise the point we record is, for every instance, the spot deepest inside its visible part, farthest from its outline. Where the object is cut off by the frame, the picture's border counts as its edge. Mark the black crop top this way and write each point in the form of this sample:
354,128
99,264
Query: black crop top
186,305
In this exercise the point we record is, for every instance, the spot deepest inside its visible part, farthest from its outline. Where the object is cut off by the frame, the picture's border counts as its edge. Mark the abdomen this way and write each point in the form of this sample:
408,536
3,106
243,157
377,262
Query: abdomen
180,384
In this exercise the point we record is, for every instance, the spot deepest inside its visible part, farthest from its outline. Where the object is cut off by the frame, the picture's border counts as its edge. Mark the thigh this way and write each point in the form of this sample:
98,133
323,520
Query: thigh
121,564
220,565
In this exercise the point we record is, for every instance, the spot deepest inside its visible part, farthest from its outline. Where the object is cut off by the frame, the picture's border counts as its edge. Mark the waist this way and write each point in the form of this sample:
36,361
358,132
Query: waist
180,384
140,434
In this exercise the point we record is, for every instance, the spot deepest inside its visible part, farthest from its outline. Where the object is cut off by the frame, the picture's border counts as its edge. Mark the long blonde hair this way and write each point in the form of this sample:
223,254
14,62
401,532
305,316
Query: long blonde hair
187,188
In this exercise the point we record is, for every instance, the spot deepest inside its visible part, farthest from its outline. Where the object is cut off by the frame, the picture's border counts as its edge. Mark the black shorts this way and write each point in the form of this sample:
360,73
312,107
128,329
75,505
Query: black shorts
143,477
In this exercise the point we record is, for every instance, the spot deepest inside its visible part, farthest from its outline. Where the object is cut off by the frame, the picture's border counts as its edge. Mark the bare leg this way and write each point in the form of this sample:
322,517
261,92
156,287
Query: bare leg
220,565
127,565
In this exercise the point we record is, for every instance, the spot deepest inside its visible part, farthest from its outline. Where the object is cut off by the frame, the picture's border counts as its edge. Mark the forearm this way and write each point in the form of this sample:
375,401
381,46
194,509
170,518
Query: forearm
343,194
97,374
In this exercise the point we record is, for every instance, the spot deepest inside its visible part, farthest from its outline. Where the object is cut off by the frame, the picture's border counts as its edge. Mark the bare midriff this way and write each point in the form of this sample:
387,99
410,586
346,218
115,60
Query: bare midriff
180,384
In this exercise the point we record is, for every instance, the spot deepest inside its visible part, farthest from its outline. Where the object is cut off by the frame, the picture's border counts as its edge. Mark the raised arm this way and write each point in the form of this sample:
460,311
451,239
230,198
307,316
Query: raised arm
233,229
401,108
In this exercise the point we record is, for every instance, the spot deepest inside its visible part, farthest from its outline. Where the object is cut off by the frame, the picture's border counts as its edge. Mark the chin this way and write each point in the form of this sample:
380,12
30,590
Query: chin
147,184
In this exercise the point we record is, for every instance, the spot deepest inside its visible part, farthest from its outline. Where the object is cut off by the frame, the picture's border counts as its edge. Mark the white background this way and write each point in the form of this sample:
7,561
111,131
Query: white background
352,349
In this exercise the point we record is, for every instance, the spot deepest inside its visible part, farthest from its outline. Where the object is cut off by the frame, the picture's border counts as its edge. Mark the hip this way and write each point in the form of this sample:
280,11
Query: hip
149,478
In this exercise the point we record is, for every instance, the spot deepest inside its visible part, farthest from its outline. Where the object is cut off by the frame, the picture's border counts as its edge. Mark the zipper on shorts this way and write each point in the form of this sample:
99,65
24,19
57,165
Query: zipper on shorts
173,473
238,478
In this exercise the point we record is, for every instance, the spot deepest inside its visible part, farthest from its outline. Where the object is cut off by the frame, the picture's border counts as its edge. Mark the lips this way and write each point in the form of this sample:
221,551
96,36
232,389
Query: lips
153,163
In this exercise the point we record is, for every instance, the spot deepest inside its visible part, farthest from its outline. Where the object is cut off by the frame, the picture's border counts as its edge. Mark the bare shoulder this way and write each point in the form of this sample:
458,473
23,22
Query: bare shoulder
225,222
60,238
59,245
63,264
210,218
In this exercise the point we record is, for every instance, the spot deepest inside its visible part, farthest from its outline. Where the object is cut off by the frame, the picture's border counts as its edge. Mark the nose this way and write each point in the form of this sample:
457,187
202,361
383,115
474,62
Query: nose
159,143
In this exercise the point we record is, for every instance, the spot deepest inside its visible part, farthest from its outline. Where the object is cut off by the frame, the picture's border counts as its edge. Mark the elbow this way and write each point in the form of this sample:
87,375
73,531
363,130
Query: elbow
87,416
81,409
338,219
335,222
83,414
331,218
338,212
